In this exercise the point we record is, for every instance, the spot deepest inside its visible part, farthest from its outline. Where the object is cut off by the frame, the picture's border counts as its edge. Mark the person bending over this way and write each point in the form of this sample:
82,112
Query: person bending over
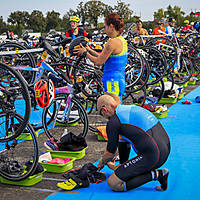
139,128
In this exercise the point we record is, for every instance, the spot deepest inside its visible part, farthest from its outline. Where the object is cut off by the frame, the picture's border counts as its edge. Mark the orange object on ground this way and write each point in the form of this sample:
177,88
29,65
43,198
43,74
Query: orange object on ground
102,130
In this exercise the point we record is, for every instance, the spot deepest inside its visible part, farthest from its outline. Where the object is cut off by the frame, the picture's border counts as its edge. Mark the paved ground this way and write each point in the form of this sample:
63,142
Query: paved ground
93,153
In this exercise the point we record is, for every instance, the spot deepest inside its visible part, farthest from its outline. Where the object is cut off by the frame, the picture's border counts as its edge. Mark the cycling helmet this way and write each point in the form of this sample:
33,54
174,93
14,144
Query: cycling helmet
186,22
74,19
171,19
160,21
44,92
75,44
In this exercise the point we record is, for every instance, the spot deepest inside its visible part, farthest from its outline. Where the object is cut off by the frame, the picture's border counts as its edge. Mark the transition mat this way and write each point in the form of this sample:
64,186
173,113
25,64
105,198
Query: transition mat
183,128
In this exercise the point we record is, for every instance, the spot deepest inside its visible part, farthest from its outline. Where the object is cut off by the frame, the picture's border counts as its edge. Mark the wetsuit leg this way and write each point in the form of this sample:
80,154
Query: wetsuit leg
124,149
138,181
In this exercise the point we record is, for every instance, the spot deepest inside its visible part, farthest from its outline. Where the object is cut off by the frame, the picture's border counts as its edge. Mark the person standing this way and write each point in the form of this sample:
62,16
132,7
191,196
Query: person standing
113,56
75,31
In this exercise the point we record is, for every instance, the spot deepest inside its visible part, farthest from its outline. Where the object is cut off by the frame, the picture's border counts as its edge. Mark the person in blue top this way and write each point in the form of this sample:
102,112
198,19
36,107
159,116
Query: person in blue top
169,28
138,127
197,26
113,56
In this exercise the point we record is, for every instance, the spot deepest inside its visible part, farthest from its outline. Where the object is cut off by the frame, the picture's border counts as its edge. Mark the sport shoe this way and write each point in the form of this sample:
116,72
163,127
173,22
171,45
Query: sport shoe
71,184
51,144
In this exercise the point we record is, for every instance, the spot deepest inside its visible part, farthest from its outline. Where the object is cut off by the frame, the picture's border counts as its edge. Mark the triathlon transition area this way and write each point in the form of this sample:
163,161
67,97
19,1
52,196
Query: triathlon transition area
183,127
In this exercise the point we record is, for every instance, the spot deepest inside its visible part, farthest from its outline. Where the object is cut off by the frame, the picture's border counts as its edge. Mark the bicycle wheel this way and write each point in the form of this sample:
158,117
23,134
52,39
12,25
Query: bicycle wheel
14,99
157,62
134,70
156,91
182,73
54,124
25,59
167,47
15,153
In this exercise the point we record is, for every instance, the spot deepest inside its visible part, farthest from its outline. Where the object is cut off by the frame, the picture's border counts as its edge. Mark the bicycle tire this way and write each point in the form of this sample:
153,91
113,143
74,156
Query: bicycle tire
28,75
11,73
79,116
21,151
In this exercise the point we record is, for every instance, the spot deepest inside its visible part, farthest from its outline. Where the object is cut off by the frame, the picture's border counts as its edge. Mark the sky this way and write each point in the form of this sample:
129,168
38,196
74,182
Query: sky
143,8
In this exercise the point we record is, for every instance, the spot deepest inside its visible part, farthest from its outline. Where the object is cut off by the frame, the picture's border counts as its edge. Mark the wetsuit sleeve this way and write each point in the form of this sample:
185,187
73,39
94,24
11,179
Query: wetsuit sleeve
113,131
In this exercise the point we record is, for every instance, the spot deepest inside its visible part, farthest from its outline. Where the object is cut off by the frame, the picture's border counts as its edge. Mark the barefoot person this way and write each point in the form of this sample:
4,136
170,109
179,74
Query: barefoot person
140,128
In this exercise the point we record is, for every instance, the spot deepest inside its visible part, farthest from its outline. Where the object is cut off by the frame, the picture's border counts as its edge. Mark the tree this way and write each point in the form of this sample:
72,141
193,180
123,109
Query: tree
20,19
37,21
3,26
81,12
160,14
53,20
123,10
93,10
174,12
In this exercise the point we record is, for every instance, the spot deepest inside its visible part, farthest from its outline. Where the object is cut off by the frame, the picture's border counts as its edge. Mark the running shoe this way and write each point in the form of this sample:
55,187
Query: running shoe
51,144
71,184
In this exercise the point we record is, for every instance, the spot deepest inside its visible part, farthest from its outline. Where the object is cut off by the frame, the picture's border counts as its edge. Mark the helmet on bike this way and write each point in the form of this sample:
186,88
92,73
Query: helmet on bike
75,44
186,21
74,19
44,92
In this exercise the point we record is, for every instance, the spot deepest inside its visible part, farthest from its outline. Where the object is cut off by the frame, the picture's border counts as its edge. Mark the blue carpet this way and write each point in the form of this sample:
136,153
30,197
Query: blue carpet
183,127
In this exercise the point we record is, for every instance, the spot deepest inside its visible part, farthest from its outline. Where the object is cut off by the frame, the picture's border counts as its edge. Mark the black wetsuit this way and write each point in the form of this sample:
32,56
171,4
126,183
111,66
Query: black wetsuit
146,134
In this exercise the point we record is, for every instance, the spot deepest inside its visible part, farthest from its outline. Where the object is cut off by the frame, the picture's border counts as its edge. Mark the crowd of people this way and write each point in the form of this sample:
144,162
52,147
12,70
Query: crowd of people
168,29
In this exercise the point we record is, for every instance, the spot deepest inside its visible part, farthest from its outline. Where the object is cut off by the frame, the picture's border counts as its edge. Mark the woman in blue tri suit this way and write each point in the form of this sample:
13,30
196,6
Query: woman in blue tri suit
113,56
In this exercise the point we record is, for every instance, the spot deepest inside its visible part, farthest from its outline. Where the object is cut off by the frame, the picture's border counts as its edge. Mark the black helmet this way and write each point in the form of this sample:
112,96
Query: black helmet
76,43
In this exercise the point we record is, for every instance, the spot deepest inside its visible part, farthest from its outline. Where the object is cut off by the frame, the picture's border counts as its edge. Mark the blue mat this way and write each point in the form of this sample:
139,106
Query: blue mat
183,127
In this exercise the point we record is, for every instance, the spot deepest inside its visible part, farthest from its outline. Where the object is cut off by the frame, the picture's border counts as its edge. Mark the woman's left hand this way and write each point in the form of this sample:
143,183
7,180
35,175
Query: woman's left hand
80,50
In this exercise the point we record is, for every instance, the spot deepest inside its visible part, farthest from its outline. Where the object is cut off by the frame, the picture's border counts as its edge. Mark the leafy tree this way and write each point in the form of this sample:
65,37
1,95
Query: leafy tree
81,13
3,26
107,9
94,9
20,19
123,10
53,20
160,14
37,21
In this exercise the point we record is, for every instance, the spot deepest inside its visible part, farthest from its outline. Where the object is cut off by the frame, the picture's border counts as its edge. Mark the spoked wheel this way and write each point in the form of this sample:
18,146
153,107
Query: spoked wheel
15,153
14,99
183,72
155,92
167,47
17,60
157,62
57,117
